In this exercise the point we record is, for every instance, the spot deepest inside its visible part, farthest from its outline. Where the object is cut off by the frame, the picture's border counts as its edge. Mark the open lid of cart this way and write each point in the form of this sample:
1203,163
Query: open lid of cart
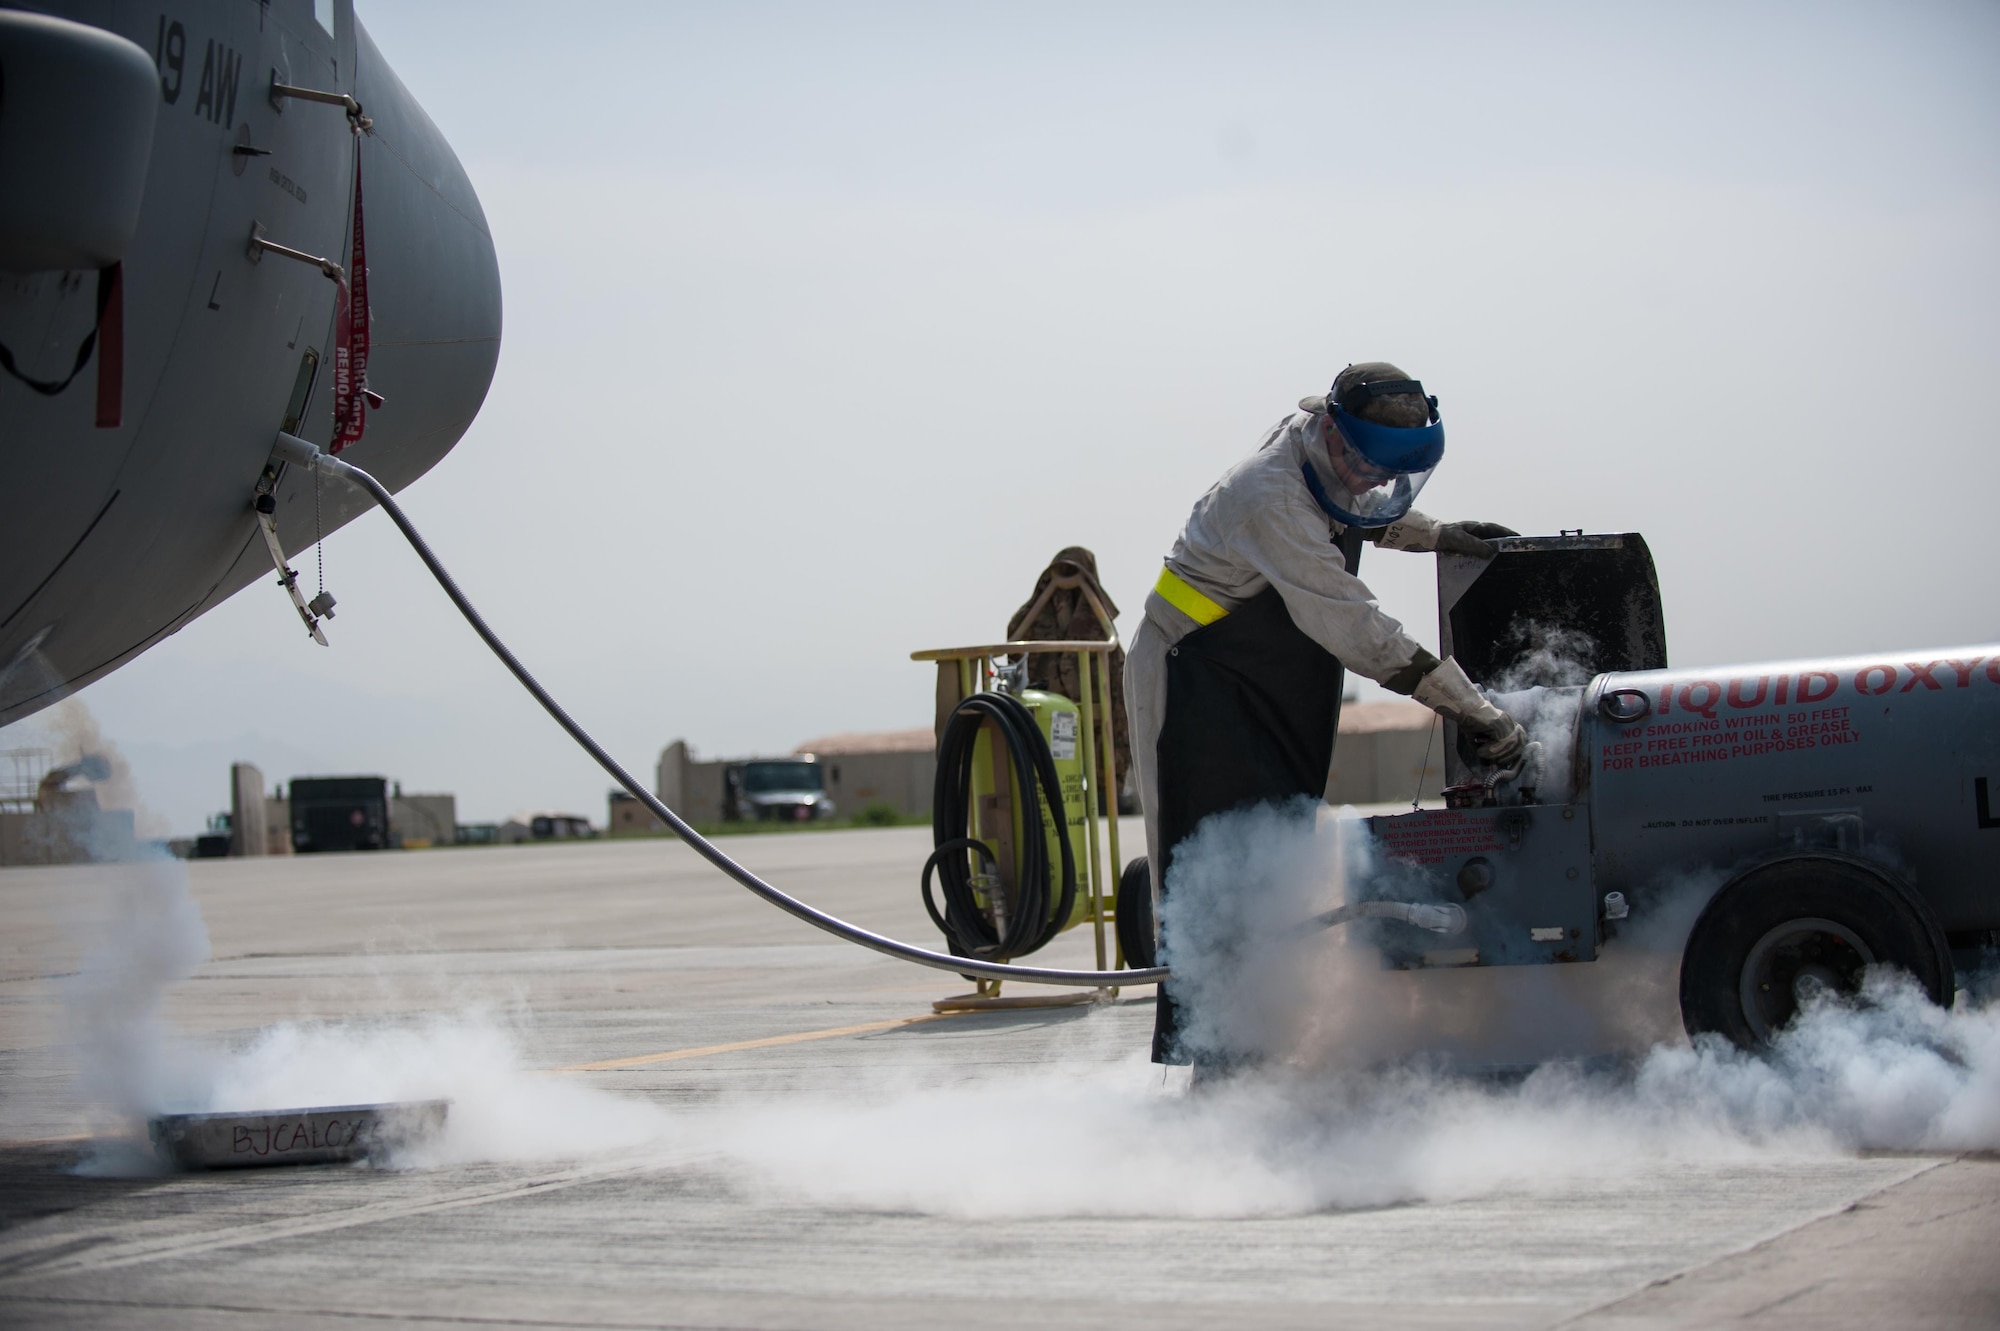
1590,603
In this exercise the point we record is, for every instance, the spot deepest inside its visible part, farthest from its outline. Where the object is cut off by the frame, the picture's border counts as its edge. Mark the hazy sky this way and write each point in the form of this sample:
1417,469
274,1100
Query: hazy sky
827,325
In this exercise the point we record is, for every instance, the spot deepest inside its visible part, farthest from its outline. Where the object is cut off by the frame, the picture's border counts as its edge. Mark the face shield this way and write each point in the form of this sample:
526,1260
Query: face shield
1379,468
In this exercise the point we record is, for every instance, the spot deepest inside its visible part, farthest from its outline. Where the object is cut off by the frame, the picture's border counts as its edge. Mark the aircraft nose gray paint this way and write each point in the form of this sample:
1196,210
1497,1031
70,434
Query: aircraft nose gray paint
112,538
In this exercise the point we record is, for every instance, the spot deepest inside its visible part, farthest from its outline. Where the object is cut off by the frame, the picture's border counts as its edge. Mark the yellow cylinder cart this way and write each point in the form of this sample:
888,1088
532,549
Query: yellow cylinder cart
1079,748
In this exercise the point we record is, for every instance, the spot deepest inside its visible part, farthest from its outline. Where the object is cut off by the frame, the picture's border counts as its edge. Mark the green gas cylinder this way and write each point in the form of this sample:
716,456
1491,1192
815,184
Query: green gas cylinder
1061,725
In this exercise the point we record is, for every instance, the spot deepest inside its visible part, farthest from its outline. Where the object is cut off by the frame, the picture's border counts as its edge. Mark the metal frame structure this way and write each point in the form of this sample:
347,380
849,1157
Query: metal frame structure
969,670
20,786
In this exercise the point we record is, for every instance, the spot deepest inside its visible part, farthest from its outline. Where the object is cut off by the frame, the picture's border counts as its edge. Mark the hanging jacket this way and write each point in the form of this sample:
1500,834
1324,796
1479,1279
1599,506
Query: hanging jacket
1058,610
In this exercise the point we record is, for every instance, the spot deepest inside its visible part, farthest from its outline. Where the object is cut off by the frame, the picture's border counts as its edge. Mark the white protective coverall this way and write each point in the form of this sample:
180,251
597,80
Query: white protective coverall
1259,527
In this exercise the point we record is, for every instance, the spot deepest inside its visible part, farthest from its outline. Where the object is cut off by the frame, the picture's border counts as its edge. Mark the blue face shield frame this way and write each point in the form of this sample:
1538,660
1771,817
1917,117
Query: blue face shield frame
1390,448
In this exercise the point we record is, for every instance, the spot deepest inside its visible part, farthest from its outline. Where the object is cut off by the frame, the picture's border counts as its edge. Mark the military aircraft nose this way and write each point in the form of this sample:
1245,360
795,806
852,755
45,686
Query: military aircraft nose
433,282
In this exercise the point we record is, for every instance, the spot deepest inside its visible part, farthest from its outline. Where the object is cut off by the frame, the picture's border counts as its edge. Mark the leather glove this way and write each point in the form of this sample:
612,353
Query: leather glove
1496,737
1412,531
1470,538
1499,741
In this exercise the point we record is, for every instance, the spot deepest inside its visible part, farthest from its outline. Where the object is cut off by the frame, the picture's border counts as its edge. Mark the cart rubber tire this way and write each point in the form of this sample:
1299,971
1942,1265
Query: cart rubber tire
1133,912
1799,921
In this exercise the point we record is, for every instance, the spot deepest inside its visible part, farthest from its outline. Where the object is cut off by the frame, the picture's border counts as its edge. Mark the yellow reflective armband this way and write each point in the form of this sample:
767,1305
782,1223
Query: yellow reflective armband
1181,595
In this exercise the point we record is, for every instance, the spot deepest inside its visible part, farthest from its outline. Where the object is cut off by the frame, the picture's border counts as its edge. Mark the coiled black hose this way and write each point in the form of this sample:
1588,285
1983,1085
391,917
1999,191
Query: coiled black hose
960,917
1029,922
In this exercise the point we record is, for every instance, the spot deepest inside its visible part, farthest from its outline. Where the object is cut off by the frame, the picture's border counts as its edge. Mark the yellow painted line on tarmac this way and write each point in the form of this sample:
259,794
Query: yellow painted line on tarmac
768,1042
71,1140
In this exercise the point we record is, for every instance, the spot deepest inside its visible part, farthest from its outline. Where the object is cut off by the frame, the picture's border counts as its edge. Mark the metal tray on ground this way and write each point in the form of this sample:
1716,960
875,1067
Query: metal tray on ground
319,1136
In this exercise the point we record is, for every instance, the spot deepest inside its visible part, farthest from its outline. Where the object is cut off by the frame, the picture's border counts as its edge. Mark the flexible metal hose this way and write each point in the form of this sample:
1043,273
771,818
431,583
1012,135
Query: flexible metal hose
1439,919
296,450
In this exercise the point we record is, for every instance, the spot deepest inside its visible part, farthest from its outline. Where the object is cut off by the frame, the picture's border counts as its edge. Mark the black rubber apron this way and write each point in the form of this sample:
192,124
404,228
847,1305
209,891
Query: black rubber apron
1252,707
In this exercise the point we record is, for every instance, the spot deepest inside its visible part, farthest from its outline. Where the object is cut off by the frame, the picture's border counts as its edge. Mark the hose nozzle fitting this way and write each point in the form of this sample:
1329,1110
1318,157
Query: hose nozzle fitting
290,448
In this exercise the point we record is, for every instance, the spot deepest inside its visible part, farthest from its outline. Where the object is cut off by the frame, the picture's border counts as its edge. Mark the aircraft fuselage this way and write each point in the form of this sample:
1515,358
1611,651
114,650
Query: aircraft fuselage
113,536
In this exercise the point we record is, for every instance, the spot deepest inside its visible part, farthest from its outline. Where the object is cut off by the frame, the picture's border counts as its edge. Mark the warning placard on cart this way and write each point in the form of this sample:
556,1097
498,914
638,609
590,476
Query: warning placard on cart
1062,736
1437,835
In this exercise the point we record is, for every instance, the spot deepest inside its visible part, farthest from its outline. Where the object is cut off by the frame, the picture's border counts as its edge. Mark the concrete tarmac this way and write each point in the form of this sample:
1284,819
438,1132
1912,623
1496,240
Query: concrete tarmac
695,1002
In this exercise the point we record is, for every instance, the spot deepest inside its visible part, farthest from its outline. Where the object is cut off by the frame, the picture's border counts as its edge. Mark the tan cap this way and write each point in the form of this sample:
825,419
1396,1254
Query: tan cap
1388,409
